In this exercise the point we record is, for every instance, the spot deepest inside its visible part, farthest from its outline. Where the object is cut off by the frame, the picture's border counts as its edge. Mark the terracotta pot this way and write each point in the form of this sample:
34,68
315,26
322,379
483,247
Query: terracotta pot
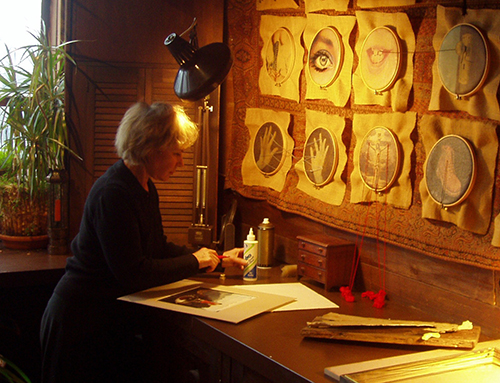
24,242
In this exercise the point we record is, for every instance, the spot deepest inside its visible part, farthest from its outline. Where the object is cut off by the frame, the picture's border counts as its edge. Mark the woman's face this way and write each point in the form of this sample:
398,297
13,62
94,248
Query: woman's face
162,163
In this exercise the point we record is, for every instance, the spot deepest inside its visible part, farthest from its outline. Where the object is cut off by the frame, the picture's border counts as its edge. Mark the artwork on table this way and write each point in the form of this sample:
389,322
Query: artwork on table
268,149
450,170
320,156
326,56
380,59
379,159
463,60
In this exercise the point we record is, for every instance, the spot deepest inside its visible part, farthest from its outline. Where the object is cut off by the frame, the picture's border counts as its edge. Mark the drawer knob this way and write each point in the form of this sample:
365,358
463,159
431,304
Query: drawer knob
320,262
320,274
302,269
320,250
303,256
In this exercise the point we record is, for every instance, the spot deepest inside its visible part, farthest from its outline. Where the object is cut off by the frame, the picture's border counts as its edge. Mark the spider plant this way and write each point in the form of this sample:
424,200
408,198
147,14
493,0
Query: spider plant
33,127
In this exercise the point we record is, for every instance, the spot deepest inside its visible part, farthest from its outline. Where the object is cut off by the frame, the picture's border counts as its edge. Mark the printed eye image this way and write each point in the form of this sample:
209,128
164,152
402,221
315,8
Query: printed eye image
320,156
379,159
268,148
450,170
463,60
325,56
380,59
280,56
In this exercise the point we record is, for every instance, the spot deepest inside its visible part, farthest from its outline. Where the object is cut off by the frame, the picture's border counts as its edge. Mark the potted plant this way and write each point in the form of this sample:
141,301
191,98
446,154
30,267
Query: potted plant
34,137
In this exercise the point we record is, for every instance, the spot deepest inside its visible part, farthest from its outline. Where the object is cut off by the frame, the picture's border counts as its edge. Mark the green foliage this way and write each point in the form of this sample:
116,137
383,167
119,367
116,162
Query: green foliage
34,126
9,372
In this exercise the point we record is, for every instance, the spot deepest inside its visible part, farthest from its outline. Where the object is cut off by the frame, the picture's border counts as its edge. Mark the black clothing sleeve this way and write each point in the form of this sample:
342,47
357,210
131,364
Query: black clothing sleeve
120,247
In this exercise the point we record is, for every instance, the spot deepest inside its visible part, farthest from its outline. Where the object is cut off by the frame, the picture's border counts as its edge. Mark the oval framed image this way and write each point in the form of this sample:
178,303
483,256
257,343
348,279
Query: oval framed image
463,60
379,159
280,56
450,170
268,149
380,59
326,56
320,157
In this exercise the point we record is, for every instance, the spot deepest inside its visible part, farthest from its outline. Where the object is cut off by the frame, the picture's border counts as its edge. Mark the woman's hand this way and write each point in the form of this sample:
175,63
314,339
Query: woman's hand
234,257
207,259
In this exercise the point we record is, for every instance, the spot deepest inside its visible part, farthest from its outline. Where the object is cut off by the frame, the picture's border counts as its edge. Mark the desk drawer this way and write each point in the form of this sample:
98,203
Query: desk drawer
312,259
312,248
311,272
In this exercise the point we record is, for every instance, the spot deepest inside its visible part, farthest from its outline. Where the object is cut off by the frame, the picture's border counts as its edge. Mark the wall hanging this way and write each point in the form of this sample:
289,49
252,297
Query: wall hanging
450,170
385,47
320,5
275,4
269,154
282,55
456,72
329,57
324,157
382,158
463,60
472,208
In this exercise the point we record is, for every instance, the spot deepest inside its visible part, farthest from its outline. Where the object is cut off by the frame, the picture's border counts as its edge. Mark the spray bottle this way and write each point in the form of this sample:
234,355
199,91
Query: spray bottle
251,255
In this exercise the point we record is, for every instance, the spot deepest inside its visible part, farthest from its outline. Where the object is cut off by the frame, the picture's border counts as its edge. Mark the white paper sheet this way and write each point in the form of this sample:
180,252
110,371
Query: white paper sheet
305,298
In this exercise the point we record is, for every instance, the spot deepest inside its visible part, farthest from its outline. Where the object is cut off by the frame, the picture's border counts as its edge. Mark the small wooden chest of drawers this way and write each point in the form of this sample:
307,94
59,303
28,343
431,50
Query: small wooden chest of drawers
325,259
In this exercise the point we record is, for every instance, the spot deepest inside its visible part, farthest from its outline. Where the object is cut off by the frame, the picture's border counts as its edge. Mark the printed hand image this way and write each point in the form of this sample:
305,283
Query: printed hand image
268,148
325,56
320,156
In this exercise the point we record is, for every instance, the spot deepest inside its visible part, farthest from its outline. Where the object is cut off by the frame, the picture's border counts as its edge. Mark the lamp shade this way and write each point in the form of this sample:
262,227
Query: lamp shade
201,70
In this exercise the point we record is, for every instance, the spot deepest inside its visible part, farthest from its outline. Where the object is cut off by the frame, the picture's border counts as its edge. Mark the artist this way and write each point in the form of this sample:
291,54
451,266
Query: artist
121,249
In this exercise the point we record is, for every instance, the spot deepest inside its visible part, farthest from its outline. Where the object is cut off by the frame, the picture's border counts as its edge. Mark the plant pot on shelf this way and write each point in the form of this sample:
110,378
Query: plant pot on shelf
23,220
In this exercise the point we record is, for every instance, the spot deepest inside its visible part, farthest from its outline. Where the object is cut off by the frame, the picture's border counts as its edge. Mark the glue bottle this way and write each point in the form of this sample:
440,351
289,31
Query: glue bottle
251,255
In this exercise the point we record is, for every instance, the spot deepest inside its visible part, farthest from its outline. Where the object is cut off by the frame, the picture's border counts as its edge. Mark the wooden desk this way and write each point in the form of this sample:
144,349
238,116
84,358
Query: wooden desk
269,347
29,268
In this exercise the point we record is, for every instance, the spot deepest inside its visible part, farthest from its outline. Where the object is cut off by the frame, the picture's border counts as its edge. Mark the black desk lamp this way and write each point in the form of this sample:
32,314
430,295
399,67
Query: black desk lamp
201,72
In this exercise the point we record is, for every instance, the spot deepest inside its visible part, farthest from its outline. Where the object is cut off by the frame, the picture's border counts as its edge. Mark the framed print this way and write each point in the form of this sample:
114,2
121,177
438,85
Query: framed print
268,149
450,170
280,56
380,59
320,156
379,159
463,60
326,56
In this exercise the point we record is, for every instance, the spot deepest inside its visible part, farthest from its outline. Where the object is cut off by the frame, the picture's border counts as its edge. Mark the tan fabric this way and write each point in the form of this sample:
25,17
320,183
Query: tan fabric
251,174
290,58
275,4
473,214
319,5
340,90
380,3
484,102
401,125
333,192
397,96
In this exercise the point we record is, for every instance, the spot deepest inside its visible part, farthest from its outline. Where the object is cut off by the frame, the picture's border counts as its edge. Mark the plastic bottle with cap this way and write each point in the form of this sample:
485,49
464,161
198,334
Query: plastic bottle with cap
251,255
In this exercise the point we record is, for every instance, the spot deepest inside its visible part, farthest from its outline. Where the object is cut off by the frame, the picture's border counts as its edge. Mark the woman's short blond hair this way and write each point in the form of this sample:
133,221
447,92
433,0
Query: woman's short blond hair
147,127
